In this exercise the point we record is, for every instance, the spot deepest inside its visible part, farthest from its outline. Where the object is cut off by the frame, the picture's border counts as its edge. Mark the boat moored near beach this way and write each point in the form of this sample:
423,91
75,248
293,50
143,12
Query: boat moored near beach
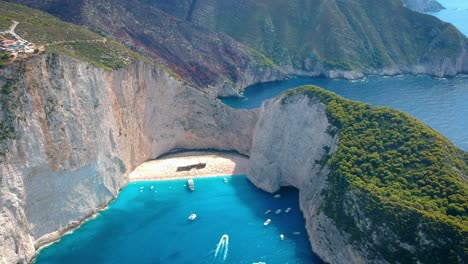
191,184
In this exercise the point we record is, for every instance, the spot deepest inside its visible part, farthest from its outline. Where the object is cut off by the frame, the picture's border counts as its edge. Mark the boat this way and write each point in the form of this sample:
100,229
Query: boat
191,184
225,180
296,233
192,217
277,195
278,211
282,237
287,210
267,211
267,222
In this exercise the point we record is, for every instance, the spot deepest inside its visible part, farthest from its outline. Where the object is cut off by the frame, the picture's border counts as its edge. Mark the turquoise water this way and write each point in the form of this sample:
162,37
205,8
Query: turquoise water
456,12
440,103
151,226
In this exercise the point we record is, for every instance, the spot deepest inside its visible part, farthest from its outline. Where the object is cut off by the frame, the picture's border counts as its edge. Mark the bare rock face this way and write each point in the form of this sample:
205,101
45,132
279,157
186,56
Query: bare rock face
423,6
291,142
81,130
211,61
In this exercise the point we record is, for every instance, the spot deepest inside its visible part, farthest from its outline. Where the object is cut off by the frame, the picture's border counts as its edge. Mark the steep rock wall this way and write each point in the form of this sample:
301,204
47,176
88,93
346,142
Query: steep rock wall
291,142
80,130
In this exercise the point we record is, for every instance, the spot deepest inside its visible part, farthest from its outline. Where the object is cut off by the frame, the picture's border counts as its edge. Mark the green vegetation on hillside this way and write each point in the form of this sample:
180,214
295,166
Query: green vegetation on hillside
8,103
65,38
321,34
406,177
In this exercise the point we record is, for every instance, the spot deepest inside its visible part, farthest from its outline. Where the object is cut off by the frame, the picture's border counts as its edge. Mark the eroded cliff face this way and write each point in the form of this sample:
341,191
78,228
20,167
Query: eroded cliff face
292,141
423,6
80,130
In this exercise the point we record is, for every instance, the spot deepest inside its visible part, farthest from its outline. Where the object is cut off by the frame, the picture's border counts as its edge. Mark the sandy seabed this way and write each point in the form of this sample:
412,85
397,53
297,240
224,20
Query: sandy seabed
217,164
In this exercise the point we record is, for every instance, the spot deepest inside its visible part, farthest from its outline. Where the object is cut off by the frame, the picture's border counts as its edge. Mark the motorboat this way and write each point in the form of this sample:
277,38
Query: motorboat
267,211
192,217
278,211
277,195
225,180
267,222
287,210
282,237
191,184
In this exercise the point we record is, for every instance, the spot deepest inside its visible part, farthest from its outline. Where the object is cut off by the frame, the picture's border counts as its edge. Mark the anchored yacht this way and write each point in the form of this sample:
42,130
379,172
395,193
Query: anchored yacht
192,217
191,184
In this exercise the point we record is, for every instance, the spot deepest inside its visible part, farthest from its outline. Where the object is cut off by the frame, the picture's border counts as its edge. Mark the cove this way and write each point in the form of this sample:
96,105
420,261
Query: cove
148,224
455,12
439,102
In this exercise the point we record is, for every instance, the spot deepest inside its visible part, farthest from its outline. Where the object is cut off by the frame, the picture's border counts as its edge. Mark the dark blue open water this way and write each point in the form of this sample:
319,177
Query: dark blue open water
151,226
440,103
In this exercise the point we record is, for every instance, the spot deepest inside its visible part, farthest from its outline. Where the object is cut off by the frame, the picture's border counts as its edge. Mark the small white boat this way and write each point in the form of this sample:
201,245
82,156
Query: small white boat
278,211
191,184
296,233
152,187
225,180
267,211
261,262
282,237
277,195
287,210
267,222
192,217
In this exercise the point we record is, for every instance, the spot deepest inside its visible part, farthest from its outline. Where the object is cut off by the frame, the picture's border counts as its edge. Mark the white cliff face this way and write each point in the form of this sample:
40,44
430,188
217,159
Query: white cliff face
81,130
291,141
288,143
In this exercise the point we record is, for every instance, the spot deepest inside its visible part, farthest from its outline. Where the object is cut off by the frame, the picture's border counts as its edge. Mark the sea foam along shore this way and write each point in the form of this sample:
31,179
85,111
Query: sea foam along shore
217,164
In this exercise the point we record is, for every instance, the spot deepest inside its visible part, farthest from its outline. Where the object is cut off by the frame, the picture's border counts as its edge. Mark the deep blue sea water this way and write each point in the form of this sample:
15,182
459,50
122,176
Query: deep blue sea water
440,103
151,226
456,12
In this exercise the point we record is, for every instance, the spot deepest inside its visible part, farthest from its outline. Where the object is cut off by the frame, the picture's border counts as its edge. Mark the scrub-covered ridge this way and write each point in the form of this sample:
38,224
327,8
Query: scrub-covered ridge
65,38
308,37
396,188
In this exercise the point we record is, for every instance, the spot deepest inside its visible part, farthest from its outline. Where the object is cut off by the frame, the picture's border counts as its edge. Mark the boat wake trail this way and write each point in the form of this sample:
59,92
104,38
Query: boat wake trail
222,249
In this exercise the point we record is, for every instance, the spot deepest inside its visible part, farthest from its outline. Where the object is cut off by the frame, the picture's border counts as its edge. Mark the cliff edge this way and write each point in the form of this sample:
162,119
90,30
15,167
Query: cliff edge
72,132
376,185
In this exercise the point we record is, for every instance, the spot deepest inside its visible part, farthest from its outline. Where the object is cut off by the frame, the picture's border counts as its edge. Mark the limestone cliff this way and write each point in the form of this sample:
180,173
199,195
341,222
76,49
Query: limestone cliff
290,146
365,176
80,130
423,6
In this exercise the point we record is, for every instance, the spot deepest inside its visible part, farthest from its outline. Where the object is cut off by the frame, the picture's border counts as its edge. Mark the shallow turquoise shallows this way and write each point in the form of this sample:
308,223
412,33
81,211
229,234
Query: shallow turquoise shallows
440,103
146,225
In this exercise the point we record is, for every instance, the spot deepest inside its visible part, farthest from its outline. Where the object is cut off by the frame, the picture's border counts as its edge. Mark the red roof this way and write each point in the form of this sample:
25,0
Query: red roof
7,42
